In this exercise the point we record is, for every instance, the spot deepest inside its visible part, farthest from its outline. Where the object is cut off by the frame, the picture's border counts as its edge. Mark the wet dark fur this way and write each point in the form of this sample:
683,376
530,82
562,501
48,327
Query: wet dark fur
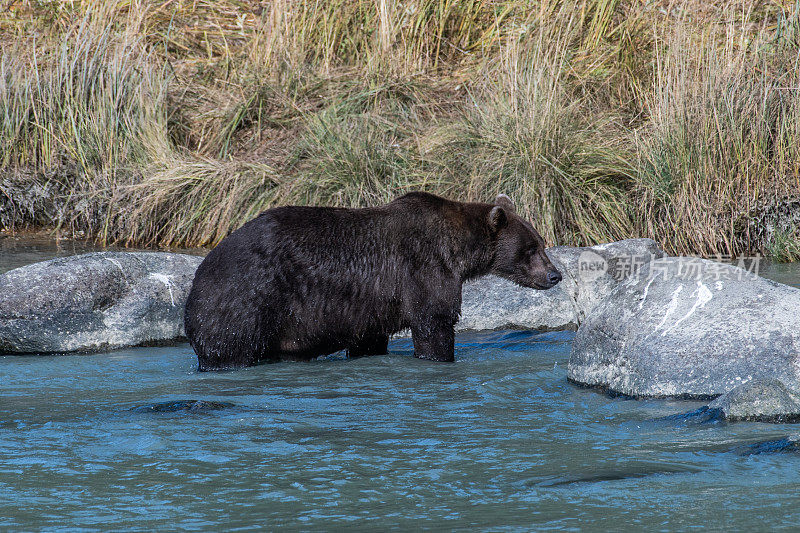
299,282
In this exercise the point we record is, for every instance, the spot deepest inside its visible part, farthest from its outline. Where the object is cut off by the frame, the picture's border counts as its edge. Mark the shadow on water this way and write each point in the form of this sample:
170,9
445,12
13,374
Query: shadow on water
631,472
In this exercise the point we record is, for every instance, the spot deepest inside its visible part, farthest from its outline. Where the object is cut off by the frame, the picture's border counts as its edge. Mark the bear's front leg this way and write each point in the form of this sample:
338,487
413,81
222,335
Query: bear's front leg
434,339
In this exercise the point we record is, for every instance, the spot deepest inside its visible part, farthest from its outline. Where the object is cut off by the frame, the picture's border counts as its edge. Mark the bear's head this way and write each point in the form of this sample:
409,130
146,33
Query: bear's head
519,249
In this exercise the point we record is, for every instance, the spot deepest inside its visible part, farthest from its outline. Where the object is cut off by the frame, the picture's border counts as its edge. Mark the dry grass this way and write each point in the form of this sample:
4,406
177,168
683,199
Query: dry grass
722,140
527,134
174,123
222,195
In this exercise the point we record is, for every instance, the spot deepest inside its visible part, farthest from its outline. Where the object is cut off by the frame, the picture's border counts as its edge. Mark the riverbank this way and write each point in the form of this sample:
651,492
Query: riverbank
171,125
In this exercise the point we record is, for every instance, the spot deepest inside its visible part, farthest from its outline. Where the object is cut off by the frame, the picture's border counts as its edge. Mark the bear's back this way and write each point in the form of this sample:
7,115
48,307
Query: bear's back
345,236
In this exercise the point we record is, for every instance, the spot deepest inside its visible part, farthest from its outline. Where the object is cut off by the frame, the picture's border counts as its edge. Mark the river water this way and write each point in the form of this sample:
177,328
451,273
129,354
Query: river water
137,439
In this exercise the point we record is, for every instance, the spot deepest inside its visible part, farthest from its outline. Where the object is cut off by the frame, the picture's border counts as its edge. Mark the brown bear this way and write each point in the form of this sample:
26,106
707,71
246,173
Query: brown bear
300,282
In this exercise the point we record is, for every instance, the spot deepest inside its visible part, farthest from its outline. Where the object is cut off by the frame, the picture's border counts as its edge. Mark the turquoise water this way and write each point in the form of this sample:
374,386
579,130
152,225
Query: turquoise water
136,439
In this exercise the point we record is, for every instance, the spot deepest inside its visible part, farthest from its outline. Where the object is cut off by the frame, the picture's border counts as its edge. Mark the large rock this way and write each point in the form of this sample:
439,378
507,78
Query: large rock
94,301
592,273
689,327
496,303
589,276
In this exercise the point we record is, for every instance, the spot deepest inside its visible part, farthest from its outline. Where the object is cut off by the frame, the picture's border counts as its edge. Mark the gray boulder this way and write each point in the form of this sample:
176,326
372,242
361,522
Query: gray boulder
688,327
766,400
589,275
496,303
94,301
592,273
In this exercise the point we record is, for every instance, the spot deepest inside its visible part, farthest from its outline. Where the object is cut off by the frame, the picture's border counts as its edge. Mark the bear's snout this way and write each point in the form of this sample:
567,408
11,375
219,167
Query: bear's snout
553,277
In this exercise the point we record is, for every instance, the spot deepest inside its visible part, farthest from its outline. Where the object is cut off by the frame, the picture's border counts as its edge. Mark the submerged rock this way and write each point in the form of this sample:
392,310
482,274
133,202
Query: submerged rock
94,301
589,275
633,471
189,406
790,444
689,327
760,400
703,415
765,400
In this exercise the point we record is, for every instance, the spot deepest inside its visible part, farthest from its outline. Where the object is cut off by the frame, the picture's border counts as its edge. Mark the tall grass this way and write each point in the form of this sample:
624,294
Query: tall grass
723,139
363,149
220,195
528,135
79,118
418,35
407,36
174,123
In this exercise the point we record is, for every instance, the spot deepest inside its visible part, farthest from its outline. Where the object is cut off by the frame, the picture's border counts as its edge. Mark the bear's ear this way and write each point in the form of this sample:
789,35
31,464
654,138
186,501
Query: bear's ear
498,218
504,201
